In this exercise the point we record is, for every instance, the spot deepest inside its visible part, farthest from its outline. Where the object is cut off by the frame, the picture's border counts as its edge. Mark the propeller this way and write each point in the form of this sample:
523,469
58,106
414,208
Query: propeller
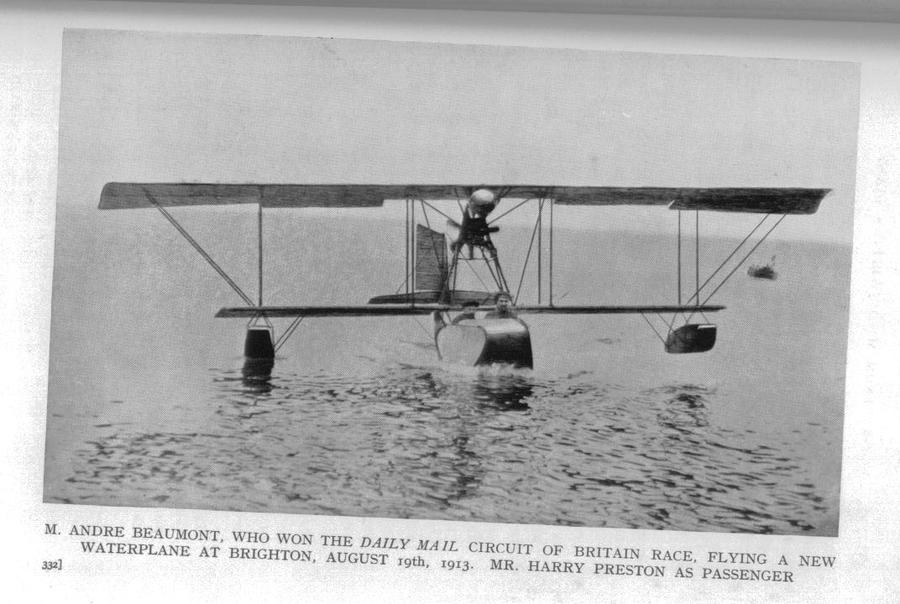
481,203
453,230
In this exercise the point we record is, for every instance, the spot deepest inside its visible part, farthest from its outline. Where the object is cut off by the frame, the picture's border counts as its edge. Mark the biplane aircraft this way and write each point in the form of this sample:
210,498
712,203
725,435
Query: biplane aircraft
474,327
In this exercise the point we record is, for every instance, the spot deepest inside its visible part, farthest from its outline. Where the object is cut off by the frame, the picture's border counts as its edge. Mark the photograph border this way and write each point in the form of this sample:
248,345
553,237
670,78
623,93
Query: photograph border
865,548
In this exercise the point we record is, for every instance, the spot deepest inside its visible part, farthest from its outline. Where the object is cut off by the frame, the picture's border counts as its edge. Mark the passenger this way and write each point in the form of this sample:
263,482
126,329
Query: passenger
503,309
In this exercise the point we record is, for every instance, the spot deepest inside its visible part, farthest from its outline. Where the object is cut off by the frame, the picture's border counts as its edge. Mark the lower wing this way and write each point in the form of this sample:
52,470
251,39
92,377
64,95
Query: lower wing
396,310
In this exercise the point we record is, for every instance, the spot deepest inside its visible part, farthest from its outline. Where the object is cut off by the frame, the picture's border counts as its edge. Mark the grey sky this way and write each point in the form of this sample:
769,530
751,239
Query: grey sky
175,107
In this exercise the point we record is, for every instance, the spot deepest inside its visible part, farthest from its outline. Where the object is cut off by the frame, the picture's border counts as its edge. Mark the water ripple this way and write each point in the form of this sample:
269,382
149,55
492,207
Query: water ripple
490,446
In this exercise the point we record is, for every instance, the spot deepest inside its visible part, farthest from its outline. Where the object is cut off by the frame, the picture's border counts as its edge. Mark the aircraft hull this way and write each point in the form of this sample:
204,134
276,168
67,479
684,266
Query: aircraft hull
486,341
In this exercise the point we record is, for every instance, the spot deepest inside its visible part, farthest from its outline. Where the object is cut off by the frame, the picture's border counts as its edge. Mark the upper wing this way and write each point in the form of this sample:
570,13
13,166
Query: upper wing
118,195
129,195
755,200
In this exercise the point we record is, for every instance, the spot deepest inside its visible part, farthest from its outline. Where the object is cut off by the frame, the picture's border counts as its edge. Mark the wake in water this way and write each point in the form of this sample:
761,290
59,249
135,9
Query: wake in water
493,444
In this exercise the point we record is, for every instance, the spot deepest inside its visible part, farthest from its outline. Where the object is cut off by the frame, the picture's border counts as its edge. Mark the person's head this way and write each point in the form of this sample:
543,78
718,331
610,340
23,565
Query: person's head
503,304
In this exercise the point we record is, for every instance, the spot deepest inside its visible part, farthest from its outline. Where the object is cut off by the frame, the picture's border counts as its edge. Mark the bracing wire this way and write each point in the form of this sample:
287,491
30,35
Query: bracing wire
427,333
512,209
200,250
425,203
288,333
661,339
730,256
525,265
744,259
695,295
494,276
739,264
258,316
403,281
477,276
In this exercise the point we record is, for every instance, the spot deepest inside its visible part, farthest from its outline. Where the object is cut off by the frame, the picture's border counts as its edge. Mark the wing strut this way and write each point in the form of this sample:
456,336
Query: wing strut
537,224
679,259
697,253
406,242
412,242
540,227
260,232
550,280
202,252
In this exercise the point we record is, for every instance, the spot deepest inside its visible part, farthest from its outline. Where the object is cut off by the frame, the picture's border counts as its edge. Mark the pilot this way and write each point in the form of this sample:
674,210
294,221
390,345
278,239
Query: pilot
468,312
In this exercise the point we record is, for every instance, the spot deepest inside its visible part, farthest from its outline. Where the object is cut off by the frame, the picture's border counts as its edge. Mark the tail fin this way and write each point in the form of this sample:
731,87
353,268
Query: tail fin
431,259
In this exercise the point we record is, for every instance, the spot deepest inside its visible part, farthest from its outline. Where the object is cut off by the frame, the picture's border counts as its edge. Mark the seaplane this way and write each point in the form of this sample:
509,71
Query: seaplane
476,327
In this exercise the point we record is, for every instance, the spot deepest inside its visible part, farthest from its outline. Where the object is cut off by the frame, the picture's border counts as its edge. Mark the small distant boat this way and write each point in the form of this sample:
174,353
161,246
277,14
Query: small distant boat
763,271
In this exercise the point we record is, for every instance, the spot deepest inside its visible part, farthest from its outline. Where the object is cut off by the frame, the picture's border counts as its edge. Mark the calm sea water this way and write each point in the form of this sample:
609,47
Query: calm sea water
148,405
